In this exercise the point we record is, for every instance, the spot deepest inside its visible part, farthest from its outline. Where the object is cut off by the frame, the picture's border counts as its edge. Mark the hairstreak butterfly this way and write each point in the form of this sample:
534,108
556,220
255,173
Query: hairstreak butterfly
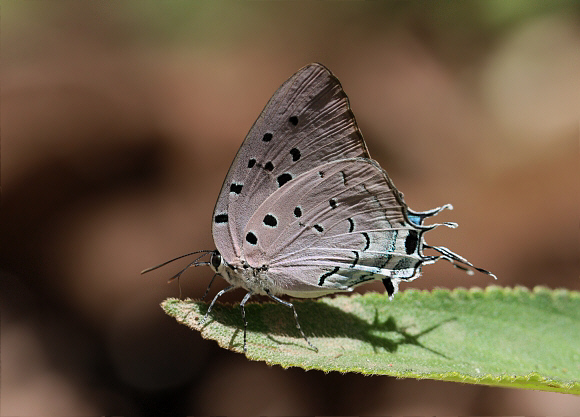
305,212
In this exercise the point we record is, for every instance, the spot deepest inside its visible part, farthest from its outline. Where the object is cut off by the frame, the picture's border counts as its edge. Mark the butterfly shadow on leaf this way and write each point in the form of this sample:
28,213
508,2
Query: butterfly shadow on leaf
324,323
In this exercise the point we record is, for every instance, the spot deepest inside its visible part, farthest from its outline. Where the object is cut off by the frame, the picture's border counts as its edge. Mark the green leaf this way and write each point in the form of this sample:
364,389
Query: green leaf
500,336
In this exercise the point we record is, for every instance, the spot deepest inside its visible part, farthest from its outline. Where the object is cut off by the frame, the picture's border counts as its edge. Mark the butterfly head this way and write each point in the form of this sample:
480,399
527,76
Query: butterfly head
231,273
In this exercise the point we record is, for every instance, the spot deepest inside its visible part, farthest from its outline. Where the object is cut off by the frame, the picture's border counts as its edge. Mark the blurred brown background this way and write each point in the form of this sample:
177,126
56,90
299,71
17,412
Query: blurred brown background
120,120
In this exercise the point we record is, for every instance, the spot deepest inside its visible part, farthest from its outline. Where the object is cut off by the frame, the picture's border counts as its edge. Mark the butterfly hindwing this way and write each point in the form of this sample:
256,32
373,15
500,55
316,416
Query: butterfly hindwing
332,228
306,123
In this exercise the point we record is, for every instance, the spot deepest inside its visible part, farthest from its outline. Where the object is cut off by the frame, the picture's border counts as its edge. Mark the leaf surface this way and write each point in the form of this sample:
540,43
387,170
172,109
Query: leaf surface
498,336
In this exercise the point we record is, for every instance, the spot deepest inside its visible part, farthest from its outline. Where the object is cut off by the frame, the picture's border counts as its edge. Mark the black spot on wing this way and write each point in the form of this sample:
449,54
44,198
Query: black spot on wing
221,218
321,174
389,286
356,258
269,166
293,120
251,238
326,275
297,211
284,178
319,228
351,225
332,203
251,163
368,240
267,137
270,220
236,188
295,154
343,177
411,242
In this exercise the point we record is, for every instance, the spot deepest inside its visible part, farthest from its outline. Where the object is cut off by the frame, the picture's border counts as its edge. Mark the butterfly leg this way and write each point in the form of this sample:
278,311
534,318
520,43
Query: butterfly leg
287,304
242,304
225,290
208,287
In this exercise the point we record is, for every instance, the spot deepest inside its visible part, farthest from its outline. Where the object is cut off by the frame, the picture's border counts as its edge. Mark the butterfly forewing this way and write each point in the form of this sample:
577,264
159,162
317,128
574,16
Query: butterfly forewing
306,123
333,227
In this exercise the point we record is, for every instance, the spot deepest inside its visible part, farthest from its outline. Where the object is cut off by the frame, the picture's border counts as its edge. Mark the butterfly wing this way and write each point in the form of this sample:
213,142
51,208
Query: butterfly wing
306,123
334,227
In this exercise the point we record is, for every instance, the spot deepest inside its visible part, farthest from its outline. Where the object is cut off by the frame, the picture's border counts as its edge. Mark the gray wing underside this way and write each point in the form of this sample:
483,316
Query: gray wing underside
306,123
332,228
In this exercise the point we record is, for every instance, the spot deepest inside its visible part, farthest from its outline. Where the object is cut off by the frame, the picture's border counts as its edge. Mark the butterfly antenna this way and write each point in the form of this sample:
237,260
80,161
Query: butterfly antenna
153,268
189,265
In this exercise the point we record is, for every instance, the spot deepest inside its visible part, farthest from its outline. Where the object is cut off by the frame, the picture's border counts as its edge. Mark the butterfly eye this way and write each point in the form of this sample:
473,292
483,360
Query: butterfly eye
216,260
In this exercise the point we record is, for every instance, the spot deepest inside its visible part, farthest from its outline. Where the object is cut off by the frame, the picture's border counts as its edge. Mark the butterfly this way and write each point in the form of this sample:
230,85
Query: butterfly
304,211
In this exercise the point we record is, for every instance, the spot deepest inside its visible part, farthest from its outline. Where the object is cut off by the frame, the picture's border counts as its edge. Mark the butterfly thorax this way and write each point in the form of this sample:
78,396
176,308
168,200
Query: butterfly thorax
241,274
